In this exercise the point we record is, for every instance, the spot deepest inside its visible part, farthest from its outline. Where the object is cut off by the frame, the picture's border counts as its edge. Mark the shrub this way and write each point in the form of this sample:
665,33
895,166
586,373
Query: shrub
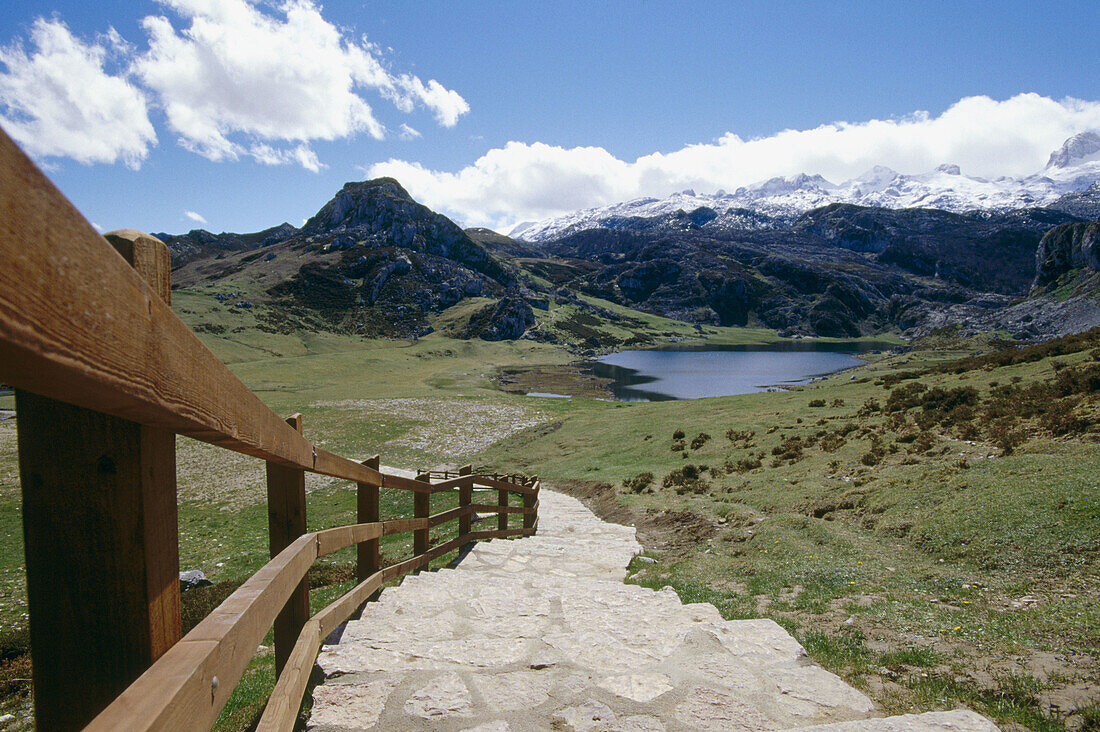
1006,435
923,443
746,464
790,449
832,442
871,406
1062,420
678,435
699,440
838,403
905,397
870,458
678,445
687,478
817,403
639,482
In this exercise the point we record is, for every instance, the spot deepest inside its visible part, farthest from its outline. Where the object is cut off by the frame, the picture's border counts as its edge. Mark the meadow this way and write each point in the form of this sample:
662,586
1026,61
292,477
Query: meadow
937,544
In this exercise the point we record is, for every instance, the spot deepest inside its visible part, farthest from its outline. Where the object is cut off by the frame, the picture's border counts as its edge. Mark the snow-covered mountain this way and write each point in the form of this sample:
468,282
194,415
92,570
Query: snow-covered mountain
779,201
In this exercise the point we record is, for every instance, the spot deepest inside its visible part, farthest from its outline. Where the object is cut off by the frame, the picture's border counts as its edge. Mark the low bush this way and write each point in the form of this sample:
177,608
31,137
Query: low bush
688,478
699,440
639,482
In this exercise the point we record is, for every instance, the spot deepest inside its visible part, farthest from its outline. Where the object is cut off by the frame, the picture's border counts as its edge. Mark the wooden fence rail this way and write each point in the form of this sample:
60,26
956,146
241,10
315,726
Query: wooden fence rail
105,376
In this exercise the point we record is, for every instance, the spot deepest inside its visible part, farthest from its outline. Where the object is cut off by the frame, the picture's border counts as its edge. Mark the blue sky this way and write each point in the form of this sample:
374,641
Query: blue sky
212,106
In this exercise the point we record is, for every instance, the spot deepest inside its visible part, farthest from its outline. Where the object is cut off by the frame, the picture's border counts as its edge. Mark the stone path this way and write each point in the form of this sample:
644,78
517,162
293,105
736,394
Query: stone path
540,633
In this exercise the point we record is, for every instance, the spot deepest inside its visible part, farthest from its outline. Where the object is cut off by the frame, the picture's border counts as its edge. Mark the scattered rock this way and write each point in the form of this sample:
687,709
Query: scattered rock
193,578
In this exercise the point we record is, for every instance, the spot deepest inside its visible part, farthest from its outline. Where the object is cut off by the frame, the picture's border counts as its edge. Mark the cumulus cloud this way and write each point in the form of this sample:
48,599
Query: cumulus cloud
197,218
60,101
240,82
530,181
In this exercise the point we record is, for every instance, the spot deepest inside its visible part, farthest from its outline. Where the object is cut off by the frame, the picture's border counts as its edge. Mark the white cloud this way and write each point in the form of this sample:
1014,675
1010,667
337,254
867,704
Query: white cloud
197,218
60,101
408,133
525,181
240,82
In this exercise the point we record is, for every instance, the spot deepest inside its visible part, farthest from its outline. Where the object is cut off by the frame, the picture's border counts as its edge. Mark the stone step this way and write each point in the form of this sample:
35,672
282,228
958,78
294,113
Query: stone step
541,633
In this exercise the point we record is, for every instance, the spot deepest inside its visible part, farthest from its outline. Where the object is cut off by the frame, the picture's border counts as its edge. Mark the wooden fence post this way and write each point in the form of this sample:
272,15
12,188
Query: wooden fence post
502,518
101,539
286,521
421,509
367,555
465,498
529,501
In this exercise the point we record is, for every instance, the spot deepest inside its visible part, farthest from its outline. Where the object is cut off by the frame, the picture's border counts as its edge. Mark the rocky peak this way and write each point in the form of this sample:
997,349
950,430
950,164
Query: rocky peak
949,169
1078,149
360,202
382,212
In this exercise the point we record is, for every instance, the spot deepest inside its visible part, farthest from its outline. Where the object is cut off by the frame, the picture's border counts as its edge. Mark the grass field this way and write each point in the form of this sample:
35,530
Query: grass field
916,558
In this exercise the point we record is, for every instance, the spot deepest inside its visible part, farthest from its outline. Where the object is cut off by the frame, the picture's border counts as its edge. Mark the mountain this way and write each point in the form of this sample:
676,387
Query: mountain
199,243
839,270
778,202
371,261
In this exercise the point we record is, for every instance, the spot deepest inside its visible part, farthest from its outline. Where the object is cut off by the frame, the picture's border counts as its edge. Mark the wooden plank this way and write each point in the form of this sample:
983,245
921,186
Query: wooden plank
188,686
101,539
502,484
367,554
331,540
495,508
530,509
151,260
327,463
449,515
452,483
421,509
405,484
281,711
465,496
103,339
286,521
502,515
400,526
445,547
100,546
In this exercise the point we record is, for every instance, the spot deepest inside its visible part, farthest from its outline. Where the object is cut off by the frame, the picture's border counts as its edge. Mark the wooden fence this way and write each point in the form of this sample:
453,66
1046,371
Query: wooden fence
106,376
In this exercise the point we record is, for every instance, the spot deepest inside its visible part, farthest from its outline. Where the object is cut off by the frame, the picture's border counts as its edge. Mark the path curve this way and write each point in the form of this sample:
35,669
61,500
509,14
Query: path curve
541,633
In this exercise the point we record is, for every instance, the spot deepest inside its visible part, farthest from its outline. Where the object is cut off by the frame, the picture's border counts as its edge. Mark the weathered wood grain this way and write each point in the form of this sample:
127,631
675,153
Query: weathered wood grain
367,554
286,521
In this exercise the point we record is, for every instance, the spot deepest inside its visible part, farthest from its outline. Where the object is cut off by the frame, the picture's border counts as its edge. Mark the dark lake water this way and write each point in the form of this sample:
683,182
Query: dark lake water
651,376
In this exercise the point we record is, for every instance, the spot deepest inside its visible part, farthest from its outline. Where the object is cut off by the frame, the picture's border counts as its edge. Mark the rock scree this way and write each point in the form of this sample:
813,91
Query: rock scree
541,633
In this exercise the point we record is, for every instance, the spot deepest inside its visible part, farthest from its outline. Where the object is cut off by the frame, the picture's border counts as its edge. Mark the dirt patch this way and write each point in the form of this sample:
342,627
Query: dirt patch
575,379
456,427
671,532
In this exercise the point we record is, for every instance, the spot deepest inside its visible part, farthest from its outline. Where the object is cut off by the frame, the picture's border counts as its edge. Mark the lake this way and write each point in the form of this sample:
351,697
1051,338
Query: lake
692,373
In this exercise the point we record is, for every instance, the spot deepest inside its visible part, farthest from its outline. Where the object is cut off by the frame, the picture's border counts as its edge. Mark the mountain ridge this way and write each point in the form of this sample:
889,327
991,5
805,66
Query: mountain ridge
777,202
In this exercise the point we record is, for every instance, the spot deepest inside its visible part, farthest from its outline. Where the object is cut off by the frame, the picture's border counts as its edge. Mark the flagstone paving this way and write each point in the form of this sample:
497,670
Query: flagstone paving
541,633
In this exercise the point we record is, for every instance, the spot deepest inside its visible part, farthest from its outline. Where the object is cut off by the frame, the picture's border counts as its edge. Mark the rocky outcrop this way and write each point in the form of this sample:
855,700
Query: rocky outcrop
1065,249
381,213
507,320
199,243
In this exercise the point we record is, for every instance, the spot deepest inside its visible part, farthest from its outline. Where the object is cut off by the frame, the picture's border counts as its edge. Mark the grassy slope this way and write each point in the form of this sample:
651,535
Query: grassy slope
926,558
949,575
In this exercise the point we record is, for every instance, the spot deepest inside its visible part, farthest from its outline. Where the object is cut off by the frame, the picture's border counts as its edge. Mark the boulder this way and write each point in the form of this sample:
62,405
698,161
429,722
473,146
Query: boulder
193,578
